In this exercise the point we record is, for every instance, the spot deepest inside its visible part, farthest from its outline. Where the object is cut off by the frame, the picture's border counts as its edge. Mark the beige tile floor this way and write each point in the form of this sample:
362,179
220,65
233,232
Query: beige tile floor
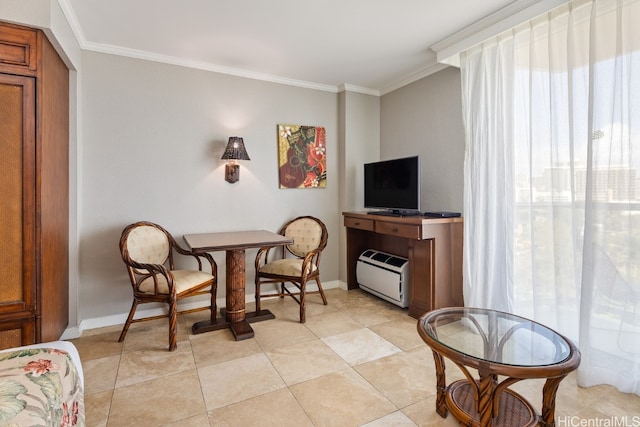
357,361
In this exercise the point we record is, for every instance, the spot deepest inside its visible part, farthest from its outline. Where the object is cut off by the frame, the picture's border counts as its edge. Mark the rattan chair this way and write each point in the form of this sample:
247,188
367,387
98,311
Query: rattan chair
148,251
298,263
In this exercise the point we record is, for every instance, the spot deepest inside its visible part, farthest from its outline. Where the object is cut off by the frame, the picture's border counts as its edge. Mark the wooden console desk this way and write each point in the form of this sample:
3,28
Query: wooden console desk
433,247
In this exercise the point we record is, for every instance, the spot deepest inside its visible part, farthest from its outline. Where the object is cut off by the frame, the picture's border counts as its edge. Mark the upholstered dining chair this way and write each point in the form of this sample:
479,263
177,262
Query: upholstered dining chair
148,251
297,264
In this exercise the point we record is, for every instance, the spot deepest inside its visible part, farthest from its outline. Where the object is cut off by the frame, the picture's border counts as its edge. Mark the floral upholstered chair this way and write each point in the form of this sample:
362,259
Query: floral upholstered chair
148,251
298,264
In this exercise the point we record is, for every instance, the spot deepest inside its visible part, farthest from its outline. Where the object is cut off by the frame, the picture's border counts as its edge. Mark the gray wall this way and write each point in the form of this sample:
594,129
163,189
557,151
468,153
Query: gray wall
425,118
360,133
153,135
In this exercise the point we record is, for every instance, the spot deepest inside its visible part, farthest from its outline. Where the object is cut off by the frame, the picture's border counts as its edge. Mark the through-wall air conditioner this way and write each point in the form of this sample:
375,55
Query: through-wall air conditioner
384,275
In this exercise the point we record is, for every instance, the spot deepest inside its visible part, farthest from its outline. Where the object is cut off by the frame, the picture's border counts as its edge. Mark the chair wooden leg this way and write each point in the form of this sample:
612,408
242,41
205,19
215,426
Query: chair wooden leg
282,290
324,298
214,307
303,288
173,325
257,295
129,320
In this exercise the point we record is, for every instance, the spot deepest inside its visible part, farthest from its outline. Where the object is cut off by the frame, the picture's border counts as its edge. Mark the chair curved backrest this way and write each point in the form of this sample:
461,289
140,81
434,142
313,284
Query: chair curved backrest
308,234
147,244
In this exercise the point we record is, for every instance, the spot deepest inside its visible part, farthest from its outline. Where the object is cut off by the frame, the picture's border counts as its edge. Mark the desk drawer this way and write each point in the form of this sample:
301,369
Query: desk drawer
411,231
362,224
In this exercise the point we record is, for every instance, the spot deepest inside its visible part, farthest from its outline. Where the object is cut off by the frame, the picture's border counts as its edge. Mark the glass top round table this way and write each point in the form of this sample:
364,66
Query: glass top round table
496,344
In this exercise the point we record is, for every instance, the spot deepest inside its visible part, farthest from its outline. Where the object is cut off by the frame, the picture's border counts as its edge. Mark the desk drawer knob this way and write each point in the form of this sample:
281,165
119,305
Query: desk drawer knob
357,223
395,229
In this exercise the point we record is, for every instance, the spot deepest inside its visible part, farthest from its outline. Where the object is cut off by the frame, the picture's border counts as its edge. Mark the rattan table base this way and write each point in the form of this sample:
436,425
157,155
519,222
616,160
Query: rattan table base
514,410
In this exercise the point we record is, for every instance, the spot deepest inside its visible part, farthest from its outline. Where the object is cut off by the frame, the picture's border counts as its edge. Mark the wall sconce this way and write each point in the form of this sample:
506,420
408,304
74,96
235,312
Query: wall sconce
235,151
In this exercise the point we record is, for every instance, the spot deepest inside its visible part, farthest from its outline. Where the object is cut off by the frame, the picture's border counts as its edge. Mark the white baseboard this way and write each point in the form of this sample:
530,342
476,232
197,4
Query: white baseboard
119,319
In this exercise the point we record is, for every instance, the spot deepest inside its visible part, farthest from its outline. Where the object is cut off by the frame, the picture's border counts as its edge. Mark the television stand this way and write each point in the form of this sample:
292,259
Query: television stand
433,247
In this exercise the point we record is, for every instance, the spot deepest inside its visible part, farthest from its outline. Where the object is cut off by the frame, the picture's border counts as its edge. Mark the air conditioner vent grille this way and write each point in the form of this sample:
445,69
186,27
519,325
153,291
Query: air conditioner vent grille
384,275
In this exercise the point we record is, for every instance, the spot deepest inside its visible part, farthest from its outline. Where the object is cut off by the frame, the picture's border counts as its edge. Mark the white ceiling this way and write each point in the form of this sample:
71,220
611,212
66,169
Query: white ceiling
374,45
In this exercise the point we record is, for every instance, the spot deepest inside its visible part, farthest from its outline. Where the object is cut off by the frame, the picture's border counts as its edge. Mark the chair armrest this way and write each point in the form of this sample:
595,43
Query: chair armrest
262,257
309,259
153,270
198,255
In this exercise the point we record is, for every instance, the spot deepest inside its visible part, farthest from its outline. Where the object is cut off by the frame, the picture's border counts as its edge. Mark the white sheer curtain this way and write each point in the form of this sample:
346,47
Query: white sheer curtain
552,191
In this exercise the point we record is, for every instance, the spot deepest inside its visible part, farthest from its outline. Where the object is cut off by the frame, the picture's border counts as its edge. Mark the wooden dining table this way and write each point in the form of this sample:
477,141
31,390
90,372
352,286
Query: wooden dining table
235,244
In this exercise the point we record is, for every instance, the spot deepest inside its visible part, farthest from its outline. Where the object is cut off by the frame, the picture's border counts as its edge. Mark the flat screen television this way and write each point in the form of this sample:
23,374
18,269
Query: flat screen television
393,185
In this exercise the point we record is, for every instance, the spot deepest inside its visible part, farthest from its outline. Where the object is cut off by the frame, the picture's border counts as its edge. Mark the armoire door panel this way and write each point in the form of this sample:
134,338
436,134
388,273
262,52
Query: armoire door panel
17,332
17,191
18,53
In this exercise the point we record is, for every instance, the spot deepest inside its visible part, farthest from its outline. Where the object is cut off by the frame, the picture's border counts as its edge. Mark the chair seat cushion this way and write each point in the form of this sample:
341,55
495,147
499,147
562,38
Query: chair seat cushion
182,279
286,267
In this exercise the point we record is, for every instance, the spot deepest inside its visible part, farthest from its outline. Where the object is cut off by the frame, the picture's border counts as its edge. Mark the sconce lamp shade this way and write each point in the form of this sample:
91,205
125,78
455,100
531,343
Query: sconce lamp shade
235,149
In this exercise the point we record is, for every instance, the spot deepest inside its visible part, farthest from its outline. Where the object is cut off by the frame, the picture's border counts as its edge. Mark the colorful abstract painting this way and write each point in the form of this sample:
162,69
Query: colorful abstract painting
302,160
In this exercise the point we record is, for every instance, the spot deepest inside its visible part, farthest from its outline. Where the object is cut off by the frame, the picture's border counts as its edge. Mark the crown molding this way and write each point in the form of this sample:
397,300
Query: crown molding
346,87
430,69
201,65
72,19
516,13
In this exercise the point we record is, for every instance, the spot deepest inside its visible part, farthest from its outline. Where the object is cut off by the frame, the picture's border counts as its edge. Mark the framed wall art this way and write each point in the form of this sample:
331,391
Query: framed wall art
302,160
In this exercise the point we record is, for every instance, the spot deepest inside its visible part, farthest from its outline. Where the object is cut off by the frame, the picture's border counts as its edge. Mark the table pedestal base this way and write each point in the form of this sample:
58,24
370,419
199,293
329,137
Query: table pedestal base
241,330
514,410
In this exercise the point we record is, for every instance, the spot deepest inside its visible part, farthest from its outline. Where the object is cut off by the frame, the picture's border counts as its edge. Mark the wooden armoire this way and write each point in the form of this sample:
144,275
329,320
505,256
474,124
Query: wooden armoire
34,188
